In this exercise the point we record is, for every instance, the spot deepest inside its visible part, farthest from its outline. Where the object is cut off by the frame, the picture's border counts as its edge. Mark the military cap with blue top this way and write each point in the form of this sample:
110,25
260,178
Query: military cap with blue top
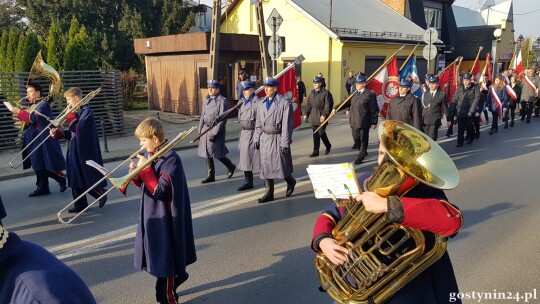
404,83
433,79
212,83
271,82
361,77
467,76
317,79
247,85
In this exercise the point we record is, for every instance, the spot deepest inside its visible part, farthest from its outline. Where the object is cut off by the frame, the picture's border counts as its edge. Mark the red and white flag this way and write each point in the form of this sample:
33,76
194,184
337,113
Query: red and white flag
385,85
517,65
486,71
287,88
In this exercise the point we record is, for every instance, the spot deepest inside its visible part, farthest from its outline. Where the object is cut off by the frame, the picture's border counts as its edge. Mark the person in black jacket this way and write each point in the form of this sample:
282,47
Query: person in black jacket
433,103
318,107
466,102
363,114
514,87
405,107
300,89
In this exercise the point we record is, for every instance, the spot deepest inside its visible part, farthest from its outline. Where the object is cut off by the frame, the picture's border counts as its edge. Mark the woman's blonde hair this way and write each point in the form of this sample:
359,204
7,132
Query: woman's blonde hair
150,127
501,83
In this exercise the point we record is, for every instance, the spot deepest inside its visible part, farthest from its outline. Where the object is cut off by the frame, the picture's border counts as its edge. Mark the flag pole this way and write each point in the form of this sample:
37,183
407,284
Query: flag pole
450,65
512,60
476,60
409,57
350,96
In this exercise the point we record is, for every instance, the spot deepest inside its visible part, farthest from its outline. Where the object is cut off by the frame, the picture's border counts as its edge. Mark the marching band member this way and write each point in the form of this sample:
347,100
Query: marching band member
434,103
212,144
249,158
164,242
514,92
30,274
319,103
83,145
47,161
497,103
466,101
423,207
529,93
273,132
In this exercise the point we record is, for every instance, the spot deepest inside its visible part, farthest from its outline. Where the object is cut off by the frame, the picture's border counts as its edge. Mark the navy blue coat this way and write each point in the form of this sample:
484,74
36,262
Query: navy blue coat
79,174
30,274
492,105
49,155
164,243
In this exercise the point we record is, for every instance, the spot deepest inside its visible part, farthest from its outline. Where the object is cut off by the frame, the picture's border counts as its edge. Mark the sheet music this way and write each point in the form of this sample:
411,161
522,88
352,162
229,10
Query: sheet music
8,105
334,178
98,167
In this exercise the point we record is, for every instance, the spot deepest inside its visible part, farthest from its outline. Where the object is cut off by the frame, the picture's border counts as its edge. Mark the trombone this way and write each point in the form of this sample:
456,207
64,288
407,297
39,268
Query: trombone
53,123
121,183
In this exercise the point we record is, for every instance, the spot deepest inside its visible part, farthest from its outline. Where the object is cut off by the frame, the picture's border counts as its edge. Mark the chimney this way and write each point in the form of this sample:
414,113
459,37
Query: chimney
397,5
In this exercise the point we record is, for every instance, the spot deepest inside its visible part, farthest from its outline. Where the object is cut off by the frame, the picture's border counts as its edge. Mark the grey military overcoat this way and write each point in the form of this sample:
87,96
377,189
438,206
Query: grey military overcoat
212,107
249,158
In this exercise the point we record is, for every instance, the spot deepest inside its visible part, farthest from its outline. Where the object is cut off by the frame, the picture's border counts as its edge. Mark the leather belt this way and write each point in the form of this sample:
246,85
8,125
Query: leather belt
248,128
272,132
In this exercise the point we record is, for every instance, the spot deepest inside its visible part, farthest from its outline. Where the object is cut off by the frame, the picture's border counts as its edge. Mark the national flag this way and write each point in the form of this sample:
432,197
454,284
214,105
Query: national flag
385,85
410,72
518,63
287,88
485,71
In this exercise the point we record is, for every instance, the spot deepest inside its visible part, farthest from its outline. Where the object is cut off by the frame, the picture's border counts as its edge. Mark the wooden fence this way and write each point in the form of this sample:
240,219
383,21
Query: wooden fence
107,105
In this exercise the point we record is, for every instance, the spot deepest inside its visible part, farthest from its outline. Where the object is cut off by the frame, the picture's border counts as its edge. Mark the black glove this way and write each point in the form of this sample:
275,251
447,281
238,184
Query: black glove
285,151
257,145
211,137
215,121
470,114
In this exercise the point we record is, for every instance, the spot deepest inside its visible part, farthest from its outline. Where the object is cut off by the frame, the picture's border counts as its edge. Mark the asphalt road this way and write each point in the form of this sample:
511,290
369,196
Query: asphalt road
252,253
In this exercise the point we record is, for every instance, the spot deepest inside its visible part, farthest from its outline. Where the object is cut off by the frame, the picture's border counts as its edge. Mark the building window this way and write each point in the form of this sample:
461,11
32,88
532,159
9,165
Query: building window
436,18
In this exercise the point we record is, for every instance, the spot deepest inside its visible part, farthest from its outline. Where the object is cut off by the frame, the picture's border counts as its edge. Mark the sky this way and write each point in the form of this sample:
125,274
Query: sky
526,14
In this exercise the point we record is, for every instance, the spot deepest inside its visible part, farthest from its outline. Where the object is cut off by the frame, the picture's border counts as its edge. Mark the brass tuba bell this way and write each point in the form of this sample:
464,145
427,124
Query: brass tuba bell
379,265
41,69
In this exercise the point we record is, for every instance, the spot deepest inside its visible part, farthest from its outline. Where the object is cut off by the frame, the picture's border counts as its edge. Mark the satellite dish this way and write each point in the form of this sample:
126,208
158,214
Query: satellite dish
497,33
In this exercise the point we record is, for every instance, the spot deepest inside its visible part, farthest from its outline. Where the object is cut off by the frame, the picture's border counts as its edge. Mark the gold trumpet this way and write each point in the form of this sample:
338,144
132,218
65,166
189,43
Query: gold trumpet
53,123
121,183
385,256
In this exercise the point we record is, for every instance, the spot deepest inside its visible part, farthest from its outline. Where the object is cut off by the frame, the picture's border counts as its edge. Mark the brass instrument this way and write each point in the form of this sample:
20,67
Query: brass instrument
41,69
122,183
378,265
53,123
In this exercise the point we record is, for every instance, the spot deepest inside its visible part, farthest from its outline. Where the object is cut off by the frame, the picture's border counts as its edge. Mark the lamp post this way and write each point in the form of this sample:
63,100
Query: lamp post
536,49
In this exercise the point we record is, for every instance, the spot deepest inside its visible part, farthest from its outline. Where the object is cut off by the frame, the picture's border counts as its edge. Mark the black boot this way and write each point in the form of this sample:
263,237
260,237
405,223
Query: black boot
291,182
511,123
248,182
269,194
230,166
506,124
211,171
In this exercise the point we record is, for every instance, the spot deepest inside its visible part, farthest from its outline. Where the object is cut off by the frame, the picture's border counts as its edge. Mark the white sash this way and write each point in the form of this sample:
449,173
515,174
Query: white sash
496,97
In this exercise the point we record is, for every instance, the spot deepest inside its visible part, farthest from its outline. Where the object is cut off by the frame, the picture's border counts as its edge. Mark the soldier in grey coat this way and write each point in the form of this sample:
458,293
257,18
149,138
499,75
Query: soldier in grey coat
273,133
249,159
319,104
405,107
466,102
212,144
529,93
434,104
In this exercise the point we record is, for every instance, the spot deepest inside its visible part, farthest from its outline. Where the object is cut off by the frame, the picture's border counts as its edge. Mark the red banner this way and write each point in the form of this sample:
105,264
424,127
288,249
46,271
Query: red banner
287,88
385,85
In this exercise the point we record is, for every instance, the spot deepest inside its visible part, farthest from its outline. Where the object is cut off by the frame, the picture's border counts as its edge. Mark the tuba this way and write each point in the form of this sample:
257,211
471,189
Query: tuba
386,256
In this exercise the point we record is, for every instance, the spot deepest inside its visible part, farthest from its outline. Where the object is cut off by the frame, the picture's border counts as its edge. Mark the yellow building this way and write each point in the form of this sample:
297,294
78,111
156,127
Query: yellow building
349,36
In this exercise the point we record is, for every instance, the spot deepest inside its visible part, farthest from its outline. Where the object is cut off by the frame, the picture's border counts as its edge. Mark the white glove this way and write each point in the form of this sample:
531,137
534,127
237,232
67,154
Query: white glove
477,114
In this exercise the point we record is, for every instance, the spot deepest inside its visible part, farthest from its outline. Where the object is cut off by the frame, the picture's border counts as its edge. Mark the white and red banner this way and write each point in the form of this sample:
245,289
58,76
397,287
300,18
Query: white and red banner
287,88
517,65
497,99
385,84
528,81
511,92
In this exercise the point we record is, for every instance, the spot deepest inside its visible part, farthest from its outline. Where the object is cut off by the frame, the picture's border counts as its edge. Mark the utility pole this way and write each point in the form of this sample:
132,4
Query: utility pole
214,40
265,58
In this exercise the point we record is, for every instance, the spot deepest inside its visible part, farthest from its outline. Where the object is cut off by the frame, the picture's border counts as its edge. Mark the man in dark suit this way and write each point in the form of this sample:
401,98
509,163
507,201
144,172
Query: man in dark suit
406,107
466,102
433,104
